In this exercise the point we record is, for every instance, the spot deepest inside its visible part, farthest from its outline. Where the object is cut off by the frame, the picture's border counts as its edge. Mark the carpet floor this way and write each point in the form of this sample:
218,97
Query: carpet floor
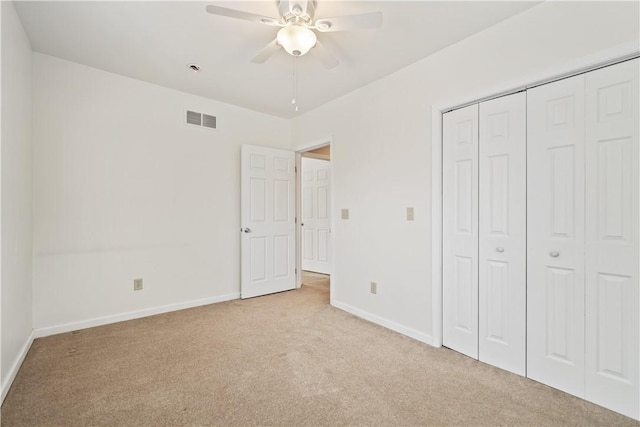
283,359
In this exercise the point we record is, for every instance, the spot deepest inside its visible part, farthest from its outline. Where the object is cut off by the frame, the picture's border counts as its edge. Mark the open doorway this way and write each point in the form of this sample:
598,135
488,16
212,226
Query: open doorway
314,225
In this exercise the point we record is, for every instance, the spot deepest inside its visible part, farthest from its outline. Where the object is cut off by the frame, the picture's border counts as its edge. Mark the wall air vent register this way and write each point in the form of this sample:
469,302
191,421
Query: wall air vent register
200,119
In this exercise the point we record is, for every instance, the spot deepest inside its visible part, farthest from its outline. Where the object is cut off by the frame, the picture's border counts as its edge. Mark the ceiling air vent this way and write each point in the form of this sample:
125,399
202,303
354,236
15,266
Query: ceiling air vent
199,119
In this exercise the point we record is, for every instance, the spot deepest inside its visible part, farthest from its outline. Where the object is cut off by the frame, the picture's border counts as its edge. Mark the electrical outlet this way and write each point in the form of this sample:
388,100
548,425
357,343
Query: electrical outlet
374,288
137,284
345,213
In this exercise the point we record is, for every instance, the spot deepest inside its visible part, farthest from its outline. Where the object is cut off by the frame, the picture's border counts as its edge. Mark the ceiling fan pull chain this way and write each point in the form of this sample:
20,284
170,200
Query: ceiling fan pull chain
295,83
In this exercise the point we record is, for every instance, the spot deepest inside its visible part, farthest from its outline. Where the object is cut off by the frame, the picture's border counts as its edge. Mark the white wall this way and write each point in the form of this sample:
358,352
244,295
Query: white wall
381,151
16,171
124,189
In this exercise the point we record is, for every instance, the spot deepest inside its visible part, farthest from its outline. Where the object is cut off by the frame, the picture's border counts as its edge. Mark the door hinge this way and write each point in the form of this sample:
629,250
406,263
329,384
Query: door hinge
295,220
295,169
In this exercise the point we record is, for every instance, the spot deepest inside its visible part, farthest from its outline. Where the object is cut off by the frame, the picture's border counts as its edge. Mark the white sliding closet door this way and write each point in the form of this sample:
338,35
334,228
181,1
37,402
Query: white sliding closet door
612,256
555,234
460,230
502,233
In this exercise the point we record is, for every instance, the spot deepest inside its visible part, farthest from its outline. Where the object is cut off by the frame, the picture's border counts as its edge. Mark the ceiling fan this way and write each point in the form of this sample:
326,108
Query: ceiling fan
297,33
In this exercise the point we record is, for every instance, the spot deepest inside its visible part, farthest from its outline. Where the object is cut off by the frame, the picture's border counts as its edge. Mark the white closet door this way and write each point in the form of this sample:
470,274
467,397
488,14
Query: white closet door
612,255
460,230
555,234
502,228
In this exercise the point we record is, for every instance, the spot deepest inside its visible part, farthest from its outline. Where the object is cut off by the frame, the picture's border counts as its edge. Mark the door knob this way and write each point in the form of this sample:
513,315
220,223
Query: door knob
302,224
247,230
499,249
554,254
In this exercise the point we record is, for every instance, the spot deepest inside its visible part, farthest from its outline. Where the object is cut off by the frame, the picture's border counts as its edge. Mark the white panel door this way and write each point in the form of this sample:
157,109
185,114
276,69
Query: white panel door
316,208
502,233
267,221
460,230
555,234
612,256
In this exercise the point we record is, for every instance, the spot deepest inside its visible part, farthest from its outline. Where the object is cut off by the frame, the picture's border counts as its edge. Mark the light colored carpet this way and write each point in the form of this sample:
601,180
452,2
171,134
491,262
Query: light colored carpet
286,359
309,278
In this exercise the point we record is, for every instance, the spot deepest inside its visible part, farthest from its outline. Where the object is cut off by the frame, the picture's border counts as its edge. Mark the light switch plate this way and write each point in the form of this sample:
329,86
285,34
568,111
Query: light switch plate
409,214
374,288
345,213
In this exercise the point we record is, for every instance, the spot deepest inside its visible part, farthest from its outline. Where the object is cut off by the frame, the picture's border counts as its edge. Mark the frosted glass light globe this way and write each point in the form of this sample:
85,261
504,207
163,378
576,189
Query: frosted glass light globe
296,39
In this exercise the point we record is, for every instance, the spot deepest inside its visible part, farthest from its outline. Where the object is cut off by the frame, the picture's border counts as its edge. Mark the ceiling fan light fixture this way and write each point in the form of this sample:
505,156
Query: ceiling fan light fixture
323,25
296,39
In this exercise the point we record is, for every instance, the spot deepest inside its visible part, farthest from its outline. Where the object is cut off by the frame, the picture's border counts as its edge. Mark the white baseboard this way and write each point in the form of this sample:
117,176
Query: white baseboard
13,371
411,333
114,318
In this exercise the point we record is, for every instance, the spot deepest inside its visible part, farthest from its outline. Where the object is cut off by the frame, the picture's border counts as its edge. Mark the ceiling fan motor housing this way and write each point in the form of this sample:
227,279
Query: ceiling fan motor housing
297,11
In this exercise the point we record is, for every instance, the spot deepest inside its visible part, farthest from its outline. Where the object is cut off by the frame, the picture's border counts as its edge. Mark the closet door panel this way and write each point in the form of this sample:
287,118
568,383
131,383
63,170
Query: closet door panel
612,256
502,232
555,234
460,230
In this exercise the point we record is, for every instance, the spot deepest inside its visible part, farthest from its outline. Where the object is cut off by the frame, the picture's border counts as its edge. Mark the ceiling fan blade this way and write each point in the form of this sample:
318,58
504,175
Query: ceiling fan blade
239,14
266,52
351,22
325,56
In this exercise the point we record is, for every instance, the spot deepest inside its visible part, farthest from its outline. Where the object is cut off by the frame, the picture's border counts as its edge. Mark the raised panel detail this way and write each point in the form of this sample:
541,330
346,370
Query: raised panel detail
280,164
561,191
464,287
308,245
258,210
257,161
307,198
499,125
281,256
499,195
323,203
307,176
463,209
560,113
615,189
614,102
322,175
258,261
497,301
280,201
612,322
464,132
323,245
560,293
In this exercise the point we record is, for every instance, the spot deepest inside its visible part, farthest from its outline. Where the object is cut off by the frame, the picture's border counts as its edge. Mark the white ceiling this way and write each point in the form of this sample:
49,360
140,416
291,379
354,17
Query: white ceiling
154,41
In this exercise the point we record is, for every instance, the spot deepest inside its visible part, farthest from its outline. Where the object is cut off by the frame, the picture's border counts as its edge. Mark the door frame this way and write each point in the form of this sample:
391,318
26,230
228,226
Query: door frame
300,151
591,62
